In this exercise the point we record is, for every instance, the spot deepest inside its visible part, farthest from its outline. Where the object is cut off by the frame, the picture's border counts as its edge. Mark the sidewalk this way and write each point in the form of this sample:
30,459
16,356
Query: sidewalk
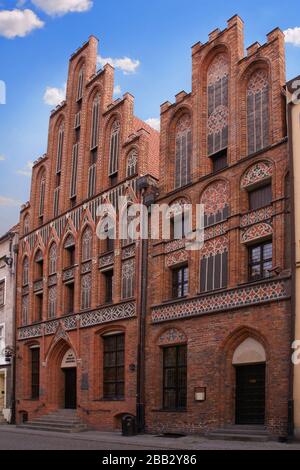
151,442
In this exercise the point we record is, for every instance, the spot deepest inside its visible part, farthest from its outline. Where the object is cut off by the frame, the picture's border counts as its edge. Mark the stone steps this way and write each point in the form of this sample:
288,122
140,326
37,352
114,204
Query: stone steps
58,421
247,433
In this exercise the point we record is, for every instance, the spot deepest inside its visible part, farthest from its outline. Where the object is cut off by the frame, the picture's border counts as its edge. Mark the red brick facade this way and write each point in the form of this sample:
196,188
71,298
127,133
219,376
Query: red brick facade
214,324
236,106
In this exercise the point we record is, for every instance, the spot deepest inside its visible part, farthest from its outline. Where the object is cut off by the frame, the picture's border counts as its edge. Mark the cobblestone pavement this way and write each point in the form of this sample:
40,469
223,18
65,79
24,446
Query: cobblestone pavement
12,438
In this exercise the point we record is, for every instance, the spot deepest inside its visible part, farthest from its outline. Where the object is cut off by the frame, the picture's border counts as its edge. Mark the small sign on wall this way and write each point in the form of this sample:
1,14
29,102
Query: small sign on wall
69,360
200,393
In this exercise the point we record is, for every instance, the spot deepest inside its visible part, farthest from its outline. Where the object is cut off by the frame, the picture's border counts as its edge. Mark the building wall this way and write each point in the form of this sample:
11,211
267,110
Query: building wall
294,134
213,324
7,313
81,330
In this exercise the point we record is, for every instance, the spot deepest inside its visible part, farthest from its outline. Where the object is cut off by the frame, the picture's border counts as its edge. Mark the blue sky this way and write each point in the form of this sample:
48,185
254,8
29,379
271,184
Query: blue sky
157,34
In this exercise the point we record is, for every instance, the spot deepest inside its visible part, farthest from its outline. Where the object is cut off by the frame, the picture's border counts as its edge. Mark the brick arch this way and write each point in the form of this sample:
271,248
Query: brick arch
54,374
257,172
171,336
215,197
227,370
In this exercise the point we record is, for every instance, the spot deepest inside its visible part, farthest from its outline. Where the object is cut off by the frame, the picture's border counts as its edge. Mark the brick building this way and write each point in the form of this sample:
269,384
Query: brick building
78,295
218,332
199,339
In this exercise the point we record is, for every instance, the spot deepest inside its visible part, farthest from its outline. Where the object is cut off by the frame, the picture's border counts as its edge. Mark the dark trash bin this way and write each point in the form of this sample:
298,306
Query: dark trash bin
129,425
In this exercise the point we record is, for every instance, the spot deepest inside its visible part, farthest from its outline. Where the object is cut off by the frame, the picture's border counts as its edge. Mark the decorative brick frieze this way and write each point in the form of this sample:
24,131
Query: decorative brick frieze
176,257
95,317
106,260
172,336
234,298
215,246
174,245
52,280
215,230
38,285
256,232
259,215
108,314
68,274
86,267
258,172
128,251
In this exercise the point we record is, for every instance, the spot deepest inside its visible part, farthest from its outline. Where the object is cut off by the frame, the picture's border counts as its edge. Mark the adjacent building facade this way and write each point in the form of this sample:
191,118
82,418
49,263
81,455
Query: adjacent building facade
8,266
78,295
193,339
293,112
218,334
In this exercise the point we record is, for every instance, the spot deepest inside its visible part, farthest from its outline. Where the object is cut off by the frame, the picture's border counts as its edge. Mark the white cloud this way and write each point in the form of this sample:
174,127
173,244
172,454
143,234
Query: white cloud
153,122
19,23
9,202
117,90
27,170
292,36
53,96
61,7
125,64
2,158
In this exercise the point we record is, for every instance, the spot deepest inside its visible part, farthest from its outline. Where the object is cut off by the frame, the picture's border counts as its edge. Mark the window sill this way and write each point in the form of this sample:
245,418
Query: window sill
109,400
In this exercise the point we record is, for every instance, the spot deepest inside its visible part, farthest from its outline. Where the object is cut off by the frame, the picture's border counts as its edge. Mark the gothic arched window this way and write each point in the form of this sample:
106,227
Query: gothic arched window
86,245
258,111
183,152
114,149
217,96
25,271
52,259
132,163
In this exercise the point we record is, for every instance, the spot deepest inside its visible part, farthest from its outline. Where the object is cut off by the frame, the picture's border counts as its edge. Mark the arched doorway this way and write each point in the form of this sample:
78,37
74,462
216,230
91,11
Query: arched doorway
69,368
249,360
62,376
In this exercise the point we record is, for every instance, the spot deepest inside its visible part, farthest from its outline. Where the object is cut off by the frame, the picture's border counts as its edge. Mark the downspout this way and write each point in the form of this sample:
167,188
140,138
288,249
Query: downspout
14,255
290,429
142,302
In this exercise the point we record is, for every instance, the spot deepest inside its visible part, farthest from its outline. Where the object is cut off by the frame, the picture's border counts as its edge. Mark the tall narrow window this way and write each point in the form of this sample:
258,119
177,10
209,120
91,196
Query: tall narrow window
217,95
258,111
26,224
60,145
56,202
109,277
24,314
73,183
260,261
2,338
128,278
70,291
92,180
80,85
86,291
132,163
213,271
113,371
25,271
52,259
174,377
183,152
35,373
69,247
95,122
39,265
180,281
114,150
52,302
86,245
2,293
42,195
39,306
